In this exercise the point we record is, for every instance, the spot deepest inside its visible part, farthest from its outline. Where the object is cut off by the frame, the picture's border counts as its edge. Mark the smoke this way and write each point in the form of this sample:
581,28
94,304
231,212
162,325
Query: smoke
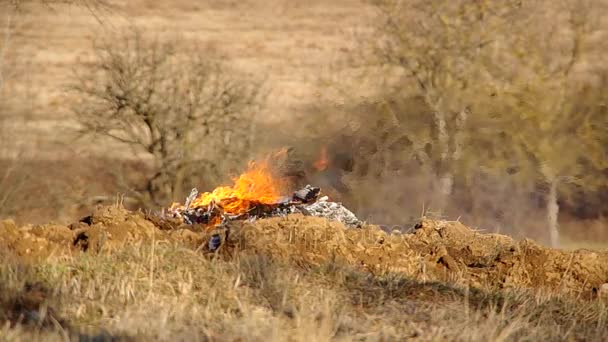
368,161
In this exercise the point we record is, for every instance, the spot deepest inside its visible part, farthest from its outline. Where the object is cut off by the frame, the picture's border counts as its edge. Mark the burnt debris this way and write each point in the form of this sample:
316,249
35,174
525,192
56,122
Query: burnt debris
306,201
307,194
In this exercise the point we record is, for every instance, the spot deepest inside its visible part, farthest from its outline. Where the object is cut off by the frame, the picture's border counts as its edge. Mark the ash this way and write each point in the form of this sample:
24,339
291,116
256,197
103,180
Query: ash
332,211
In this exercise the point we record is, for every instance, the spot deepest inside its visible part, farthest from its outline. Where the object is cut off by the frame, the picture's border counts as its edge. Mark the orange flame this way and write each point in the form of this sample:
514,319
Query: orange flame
322,162
256,185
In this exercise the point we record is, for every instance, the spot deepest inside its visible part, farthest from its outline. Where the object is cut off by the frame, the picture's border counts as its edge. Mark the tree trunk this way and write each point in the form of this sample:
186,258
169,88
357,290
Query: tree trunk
459,134
443,137
446,184
552,213
445,178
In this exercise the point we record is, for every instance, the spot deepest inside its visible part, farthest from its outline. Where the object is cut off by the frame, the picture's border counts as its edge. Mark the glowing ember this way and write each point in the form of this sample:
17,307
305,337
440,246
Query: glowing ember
321,163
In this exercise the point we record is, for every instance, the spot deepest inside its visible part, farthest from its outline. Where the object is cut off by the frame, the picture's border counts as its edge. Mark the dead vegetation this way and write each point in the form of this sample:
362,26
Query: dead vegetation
180,111
459,130
117,274
412,145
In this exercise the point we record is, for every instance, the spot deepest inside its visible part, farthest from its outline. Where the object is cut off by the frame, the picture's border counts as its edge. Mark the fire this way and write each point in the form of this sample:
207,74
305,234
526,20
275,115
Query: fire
255,186
322,162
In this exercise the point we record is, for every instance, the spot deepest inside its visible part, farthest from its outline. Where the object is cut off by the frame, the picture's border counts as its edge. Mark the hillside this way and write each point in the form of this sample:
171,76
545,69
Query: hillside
284,44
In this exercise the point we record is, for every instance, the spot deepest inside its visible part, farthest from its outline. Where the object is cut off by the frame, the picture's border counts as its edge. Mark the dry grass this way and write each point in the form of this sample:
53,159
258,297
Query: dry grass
160,291
167,292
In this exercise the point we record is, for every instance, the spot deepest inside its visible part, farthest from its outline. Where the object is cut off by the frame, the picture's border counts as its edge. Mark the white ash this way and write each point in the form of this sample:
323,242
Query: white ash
331,211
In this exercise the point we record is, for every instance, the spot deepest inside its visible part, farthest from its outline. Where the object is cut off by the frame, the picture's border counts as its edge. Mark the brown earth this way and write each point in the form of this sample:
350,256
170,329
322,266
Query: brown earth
432,251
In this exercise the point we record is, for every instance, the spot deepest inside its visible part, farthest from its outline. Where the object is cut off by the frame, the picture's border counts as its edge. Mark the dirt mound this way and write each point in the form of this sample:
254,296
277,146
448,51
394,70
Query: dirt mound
491,260
107,229
34,242
435,250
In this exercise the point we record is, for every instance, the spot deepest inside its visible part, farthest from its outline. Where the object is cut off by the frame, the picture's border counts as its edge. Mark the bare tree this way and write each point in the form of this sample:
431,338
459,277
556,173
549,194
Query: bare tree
512,87
186,115
557,110
442,46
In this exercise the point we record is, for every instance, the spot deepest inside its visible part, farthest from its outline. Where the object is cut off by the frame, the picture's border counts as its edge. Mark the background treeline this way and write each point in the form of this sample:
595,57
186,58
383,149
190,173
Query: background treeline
494,112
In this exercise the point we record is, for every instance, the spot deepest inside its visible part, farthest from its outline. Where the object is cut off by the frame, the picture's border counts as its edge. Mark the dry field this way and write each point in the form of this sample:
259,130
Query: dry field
301,51
289,45
124,276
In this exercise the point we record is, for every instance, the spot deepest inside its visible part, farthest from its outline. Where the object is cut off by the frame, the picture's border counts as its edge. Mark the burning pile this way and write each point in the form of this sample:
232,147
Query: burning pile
257,193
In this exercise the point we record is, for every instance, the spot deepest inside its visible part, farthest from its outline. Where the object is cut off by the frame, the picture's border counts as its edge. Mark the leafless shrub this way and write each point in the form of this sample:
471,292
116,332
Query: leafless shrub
186,116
